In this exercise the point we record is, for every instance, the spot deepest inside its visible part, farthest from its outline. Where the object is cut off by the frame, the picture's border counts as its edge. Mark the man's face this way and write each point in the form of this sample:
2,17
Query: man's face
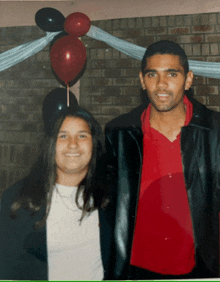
165,82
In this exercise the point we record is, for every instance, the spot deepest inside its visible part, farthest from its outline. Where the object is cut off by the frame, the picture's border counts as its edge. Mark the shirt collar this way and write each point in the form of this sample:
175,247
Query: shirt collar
145,117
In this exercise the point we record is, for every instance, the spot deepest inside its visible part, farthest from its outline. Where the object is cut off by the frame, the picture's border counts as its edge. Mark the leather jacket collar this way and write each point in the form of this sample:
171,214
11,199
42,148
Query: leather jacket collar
201,116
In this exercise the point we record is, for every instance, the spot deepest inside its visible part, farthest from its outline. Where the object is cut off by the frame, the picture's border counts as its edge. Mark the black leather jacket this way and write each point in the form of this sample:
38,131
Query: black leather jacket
200,148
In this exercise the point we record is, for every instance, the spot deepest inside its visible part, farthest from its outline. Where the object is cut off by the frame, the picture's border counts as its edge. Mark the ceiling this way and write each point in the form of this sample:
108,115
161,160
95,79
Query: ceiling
21,13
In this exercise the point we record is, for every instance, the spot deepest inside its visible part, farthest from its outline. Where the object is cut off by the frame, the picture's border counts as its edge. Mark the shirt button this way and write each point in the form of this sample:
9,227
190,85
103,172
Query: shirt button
170,175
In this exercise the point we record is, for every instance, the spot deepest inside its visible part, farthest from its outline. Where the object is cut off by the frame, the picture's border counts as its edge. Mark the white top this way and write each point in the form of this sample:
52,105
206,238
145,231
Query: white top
73,249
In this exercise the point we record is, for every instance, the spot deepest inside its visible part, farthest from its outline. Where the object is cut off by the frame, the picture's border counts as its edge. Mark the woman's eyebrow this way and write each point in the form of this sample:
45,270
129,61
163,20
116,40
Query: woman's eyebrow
84,131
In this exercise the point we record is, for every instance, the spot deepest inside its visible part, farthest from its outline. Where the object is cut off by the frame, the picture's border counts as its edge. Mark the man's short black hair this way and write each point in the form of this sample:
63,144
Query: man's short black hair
165,47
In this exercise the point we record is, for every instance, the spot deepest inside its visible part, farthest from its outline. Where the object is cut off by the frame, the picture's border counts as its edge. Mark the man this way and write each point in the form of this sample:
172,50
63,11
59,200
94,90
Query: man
163,164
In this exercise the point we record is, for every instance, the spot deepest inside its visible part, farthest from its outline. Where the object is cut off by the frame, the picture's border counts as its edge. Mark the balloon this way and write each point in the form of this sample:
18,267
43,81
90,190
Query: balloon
77,24
68,56
56,37
54,104
49,19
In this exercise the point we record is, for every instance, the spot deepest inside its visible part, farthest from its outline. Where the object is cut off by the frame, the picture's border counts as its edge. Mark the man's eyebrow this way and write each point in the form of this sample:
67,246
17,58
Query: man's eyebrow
173,70
147,70
165,70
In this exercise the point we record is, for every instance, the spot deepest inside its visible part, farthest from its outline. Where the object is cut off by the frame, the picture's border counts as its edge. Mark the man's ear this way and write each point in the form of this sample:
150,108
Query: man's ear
189,80
142,80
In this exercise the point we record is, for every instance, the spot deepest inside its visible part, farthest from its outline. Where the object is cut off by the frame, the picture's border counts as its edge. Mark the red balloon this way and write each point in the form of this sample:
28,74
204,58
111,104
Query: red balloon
77,24
68,56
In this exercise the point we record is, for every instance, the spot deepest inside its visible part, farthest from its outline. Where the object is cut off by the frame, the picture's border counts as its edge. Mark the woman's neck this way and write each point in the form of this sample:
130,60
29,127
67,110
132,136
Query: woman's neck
70,179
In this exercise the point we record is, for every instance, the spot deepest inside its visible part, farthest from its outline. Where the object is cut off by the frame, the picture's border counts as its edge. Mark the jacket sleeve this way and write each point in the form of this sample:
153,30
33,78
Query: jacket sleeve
16,262
107,214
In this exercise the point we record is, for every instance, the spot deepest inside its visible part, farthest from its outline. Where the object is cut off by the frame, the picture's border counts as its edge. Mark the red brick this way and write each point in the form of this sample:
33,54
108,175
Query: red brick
123,81
102,100
179,30
112,91
145,41
29,127
93,90
102,81
94,44
202,28
168,37
213,100
198,80
99,64
196,38
206,90
156,30
213,59
213,38
112,110
213,81
131,33
112,72
11,126
131,91
122,100
133,72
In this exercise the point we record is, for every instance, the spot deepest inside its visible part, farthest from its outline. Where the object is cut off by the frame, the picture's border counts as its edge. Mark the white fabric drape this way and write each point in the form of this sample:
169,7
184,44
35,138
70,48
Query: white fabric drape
22,52
207,69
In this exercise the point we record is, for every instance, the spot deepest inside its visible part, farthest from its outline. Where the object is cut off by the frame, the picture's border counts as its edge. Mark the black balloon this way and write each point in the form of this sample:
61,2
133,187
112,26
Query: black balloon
54,104
49,19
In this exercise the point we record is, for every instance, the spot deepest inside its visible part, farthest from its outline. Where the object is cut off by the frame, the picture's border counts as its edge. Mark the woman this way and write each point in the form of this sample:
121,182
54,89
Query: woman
49,226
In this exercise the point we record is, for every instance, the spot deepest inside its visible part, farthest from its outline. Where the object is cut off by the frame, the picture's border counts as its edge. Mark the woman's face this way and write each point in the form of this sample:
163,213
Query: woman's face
73,147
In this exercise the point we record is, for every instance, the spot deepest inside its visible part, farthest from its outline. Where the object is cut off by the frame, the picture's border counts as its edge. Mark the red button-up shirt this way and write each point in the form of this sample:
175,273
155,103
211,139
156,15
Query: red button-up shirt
163,238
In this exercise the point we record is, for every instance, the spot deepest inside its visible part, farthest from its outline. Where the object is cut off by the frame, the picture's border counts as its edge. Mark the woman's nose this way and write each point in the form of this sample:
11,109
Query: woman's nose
72,142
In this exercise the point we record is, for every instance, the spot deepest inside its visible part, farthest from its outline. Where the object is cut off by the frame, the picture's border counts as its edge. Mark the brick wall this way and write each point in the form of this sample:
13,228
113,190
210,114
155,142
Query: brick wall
110,85
22,89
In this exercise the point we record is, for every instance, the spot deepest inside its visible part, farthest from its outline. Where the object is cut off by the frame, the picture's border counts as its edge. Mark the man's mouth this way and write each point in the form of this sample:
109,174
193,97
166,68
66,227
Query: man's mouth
163,95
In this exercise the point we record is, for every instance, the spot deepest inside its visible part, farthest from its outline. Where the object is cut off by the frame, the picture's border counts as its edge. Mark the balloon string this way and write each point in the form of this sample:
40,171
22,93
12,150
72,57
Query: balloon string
68,95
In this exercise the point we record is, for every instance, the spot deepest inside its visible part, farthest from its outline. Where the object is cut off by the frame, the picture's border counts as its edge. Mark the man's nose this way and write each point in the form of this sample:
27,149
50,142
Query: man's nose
162,81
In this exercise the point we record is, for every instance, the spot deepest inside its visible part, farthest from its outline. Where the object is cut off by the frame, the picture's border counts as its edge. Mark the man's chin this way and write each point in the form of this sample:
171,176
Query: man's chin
164,108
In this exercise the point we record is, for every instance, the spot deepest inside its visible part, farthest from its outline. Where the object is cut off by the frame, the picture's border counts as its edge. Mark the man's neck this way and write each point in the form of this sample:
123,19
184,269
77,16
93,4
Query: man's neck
168,123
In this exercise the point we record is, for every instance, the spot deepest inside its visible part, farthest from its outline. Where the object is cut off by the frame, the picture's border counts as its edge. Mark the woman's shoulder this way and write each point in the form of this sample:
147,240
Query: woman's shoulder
11,193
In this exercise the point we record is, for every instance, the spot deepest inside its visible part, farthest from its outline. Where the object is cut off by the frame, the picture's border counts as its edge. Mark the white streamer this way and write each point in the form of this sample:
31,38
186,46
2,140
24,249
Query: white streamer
125,47
207,69
22,52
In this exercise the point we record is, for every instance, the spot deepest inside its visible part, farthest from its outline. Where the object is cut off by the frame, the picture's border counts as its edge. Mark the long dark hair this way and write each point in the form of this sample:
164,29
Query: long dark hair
38,185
